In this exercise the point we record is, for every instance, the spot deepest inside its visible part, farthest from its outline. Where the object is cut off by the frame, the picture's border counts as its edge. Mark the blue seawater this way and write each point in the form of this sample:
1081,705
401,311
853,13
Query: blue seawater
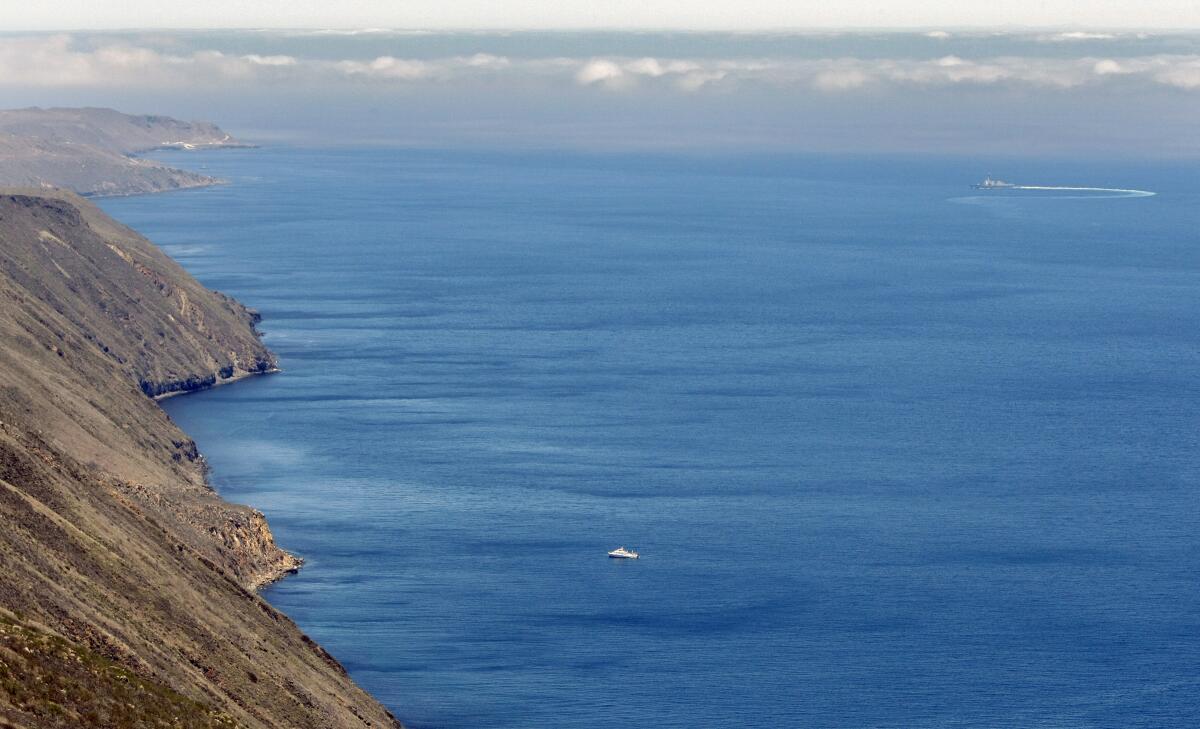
896,454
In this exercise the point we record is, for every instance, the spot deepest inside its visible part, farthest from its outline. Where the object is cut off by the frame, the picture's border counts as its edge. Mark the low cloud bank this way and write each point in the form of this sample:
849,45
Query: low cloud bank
58,61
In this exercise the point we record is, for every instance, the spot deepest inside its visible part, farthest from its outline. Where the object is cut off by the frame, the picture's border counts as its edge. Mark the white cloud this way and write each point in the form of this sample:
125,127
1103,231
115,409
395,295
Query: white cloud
646,67
699,79
1183,75
654,67
1075,35
386,67
1108,67
352,32
270,60
618,73
54,61
59,61
487,60
600,71
840,79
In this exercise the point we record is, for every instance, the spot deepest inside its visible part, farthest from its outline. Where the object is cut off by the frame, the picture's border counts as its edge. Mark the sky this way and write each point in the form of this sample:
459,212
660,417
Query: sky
610,14
1070,91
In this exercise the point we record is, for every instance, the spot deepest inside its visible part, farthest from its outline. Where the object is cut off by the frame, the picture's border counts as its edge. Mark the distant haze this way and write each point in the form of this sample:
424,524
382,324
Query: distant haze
1064,92
554,14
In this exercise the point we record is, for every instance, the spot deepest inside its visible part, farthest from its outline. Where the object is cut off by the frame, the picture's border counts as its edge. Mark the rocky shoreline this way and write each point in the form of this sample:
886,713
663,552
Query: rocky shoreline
195,383
245,534
116,548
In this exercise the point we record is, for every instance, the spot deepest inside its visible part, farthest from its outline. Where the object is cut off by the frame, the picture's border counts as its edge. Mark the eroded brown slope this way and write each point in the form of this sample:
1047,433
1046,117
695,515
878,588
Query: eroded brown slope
111,538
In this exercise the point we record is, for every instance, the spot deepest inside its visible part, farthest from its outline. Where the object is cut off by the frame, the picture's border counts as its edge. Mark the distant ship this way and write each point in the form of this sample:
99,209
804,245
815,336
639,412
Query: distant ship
992,184
622,553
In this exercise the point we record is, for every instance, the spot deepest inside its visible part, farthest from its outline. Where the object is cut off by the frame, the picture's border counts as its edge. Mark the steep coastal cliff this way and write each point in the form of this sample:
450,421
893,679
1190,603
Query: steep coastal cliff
90,150
125,581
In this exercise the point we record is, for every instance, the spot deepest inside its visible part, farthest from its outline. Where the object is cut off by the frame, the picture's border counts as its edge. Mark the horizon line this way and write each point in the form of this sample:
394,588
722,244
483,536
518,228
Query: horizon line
777,30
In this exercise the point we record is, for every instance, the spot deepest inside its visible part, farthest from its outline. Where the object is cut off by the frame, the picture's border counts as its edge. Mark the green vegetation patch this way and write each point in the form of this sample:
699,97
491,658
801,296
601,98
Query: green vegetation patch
47,681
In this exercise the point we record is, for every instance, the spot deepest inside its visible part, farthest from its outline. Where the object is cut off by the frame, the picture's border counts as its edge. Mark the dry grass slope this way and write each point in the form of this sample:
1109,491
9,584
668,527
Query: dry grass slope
114,546
89,150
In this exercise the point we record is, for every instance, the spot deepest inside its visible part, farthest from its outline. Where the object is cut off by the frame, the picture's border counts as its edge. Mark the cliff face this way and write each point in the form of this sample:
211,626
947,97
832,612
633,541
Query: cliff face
88,150
114,549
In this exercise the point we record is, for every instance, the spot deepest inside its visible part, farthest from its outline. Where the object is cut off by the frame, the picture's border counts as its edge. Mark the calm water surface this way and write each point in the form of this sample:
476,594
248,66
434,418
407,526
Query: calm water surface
894,455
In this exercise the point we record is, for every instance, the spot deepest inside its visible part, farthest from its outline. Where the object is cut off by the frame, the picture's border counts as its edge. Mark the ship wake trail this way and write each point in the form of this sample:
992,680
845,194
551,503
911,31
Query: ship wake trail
1117,191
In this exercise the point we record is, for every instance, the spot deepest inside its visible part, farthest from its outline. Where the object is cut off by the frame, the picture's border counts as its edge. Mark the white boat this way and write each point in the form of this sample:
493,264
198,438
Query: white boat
622,553
992,184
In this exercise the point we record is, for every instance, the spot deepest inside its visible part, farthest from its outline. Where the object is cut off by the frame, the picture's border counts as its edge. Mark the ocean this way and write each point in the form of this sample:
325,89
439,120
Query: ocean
895,452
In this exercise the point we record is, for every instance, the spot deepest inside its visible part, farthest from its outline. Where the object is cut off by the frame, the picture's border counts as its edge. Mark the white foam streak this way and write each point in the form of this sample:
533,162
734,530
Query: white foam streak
1124,191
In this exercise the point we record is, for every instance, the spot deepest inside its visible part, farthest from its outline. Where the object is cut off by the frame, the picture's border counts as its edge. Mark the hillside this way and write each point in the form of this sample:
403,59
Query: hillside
125,581
90,150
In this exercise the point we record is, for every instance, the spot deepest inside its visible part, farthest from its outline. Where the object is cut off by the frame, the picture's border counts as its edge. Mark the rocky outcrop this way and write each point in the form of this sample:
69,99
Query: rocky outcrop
114,546
192,383
254,559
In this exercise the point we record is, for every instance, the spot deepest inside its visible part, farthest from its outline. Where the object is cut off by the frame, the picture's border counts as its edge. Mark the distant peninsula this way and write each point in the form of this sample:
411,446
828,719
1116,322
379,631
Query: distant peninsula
126,583
92,151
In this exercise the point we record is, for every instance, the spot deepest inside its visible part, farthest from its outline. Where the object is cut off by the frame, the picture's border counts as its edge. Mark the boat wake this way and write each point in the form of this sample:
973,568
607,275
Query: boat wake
996,188
1118,191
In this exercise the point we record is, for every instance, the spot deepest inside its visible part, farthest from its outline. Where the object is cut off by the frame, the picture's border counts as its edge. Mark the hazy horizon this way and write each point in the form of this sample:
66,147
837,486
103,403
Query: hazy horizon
1051,92
652,15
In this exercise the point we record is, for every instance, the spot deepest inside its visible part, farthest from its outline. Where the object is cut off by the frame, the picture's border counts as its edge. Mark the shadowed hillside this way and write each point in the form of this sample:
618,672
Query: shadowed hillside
114,548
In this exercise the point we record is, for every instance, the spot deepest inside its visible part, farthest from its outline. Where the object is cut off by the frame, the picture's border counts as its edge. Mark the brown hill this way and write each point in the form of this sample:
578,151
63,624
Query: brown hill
89,150
124,580
111,130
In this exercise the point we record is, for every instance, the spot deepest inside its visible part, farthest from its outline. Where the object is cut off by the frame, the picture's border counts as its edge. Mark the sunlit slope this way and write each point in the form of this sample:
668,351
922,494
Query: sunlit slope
89,150
112,540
